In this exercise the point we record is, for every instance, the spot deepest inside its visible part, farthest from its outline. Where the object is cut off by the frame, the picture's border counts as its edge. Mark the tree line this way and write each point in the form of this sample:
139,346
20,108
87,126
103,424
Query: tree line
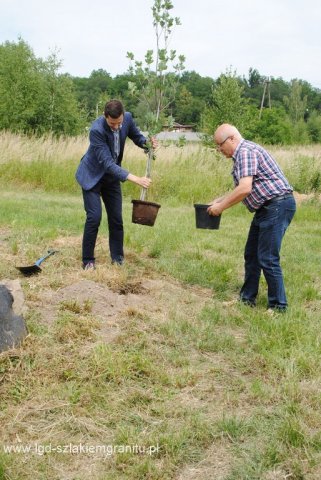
36,99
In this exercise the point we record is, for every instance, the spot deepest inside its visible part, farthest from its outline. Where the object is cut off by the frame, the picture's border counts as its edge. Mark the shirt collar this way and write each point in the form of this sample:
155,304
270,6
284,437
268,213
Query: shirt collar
236,151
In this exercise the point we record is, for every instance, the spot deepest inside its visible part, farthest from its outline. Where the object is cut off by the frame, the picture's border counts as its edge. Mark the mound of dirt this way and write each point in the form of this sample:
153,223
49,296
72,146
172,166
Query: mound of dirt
113,306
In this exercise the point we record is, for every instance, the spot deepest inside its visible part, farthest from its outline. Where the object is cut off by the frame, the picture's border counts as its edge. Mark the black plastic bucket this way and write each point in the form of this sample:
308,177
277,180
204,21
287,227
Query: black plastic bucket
144,213
204,220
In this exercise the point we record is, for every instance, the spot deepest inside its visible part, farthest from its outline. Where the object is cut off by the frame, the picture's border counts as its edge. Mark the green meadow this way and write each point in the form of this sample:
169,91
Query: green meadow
217,390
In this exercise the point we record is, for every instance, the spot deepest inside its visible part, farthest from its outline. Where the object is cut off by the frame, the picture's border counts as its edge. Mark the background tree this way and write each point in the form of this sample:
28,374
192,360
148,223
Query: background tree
122,92
34,97
186,108
274,127
193,94
314,127
279,88
296,105
295,102
58,111
253,87
19,86
228,106
93,91
200,87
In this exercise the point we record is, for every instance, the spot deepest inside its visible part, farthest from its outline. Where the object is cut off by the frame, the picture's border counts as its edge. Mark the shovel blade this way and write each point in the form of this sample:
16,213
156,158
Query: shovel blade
31,270
35,268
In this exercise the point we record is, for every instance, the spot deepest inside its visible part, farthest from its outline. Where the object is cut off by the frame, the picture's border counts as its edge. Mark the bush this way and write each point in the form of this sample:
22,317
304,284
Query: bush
274,127
314,127
306,174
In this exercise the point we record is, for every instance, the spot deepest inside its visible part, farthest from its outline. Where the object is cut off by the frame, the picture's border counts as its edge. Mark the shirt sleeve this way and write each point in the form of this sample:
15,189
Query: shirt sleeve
247,164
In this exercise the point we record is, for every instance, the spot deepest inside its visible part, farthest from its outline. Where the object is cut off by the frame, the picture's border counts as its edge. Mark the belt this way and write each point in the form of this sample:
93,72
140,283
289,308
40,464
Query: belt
276,199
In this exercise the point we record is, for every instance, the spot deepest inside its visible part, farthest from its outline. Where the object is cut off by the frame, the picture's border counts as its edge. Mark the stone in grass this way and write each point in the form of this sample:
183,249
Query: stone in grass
12,327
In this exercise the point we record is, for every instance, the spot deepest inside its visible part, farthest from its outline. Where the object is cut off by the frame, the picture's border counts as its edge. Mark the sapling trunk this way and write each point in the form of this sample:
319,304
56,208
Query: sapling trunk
150,156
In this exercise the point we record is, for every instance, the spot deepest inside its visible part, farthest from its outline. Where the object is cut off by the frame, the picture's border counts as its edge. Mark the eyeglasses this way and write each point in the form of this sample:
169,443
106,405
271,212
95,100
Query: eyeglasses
219,145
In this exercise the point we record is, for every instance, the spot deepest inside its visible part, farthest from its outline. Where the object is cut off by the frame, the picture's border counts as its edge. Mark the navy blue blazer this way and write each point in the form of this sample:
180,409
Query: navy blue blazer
99,158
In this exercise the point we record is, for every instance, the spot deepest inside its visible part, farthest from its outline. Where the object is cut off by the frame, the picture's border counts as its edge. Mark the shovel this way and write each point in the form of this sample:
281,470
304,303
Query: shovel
35,268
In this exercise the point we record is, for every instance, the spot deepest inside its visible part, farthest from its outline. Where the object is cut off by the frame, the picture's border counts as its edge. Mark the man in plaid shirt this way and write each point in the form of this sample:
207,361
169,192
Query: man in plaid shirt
261,185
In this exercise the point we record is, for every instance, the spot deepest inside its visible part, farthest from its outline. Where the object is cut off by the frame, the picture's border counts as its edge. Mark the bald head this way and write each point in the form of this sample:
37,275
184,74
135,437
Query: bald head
227,137
226,130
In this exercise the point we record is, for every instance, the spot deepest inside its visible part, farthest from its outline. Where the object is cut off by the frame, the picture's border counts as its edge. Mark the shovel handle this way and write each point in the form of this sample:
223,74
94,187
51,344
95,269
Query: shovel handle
40,260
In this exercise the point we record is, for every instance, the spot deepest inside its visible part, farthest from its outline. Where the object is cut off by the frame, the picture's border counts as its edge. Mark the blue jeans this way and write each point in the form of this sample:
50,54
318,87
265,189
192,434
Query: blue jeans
110,191
262,251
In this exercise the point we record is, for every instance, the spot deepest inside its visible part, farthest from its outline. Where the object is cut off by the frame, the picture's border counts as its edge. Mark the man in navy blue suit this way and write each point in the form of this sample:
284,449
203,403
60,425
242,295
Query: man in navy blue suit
100,173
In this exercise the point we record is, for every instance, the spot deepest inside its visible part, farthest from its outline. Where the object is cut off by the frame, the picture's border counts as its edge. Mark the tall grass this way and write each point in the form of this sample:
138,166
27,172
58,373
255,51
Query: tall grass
189,174
26,149
44,162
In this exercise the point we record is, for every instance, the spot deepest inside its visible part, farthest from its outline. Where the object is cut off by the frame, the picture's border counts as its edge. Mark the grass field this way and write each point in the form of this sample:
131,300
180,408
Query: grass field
153,371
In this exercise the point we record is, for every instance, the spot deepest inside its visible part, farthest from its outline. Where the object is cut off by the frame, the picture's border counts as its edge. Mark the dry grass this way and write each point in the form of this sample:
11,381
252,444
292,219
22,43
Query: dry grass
286,154
25,148
75,382
47,148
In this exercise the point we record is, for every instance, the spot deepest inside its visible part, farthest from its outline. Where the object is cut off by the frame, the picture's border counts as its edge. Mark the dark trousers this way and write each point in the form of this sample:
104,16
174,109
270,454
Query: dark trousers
262,251
109,190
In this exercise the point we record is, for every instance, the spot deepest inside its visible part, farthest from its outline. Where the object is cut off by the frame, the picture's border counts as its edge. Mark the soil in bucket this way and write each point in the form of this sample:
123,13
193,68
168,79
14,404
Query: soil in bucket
144,212
204,220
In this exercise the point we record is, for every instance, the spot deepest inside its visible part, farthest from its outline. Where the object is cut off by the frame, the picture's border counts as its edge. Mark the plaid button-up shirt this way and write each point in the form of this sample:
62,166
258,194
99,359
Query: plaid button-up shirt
252,160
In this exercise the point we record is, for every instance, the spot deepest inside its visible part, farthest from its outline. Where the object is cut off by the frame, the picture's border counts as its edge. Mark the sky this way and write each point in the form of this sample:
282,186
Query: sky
279,38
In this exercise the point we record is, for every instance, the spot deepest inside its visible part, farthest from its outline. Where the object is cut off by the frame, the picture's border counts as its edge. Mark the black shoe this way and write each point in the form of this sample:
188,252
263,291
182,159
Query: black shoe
249,303
277,309
118,261
89,266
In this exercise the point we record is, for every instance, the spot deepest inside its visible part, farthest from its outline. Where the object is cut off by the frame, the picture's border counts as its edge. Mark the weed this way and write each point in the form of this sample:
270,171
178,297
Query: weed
74,307
71,327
